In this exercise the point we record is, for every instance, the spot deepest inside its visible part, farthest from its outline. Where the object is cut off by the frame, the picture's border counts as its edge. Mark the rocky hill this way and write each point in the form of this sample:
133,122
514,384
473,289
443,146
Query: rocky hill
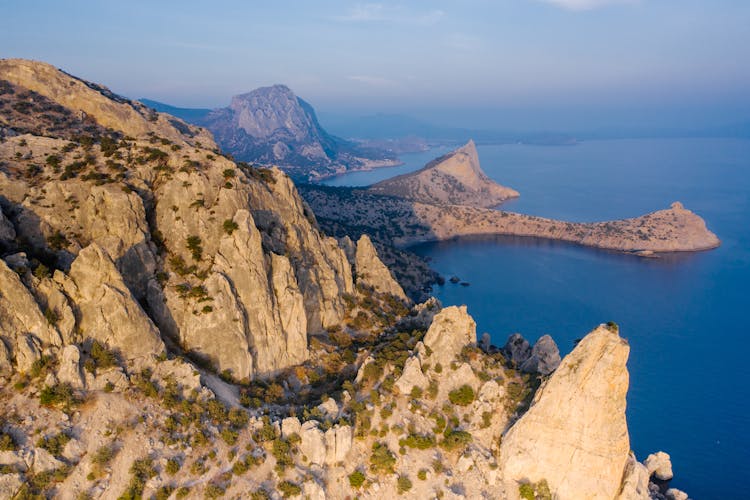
175,325
271,125
453,179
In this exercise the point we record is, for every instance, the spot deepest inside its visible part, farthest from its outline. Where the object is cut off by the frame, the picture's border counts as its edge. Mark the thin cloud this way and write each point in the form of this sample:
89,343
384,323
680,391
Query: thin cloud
462,41
373,81
587,4
378,12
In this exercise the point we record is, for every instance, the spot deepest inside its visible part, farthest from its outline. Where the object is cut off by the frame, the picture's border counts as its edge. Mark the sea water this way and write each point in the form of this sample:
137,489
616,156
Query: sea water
684,315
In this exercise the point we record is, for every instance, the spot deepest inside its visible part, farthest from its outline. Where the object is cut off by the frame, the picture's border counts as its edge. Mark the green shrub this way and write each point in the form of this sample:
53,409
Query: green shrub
403,484
463,396
214,490
526,491
60,395
55,444
422,474
454,440
416,392
289,489
7,443
418,441
230,226
195,247
357,479
103,357
173,466
382,459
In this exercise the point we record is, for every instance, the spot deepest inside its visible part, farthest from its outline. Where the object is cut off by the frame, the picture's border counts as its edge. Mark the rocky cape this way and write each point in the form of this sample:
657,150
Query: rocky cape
272,126
453,179
448,199
175,325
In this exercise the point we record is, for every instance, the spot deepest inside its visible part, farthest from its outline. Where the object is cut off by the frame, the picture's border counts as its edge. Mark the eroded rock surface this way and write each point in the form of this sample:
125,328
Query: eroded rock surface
575,434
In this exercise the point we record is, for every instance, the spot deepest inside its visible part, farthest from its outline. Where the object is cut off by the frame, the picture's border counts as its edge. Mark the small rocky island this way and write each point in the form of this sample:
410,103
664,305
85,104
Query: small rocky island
174,324
450,197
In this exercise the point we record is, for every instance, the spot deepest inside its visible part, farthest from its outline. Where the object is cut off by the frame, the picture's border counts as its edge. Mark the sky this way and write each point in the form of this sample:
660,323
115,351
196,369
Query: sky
523,63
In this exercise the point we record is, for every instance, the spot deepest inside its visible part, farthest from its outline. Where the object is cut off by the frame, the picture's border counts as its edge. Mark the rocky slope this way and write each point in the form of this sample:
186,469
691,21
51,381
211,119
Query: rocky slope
271,125
174,325
138,220
453,179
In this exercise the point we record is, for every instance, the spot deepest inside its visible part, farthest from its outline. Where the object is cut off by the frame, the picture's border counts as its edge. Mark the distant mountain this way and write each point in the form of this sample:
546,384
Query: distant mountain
271,125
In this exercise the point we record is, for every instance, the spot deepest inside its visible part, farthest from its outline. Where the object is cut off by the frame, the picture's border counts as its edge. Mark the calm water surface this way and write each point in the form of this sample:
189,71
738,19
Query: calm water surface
684,315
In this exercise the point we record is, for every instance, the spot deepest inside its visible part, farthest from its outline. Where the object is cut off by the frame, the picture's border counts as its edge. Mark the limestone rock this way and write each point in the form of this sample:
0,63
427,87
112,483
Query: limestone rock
44,461
338,443
289,426
372,272
329,408
659,465
20,313
517,349
28,350
675,494
421,315
10,484
575,433
5,360
545,357
312,444
451,330
635,481
412,376
109,312
70,368
51,298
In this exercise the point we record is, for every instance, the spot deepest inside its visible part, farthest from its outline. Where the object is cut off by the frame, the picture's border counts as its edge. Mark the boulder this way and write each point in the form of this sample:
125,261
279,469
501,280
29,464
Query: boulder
412,376
312,444
451,330
70,368
109,312
675,494
544,359
659,465
20,313
517,349
372,272
28,350
338,443
575,434
289,426
10,484
44,461
635,481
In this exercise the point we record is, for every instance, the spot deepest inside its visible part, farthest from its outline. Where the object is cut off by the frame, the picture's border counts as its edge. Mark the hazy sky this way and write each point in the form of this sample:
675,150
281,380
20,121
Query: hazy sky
588,58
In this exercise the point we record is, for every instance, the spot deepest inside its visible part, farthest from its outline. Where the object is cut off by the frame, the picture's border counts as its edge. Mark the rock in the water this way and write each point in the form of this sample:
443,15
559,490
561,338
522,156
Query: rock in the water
545,357
70,368
451,330
372,272
635,481
659,465
675,494
109,312
575,434
517,349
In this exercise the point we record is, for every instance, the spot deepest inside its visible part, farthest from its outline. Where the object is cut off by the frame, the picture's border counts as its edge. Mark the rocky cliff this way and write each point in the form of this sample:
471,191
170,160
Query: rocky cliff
453,179
271,125
153,237
174,325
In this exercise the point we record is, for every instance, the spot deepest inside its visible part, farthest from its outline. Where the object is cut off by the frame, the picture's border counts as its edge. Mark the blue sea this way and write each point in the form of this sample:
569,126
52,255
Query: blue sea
683,314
